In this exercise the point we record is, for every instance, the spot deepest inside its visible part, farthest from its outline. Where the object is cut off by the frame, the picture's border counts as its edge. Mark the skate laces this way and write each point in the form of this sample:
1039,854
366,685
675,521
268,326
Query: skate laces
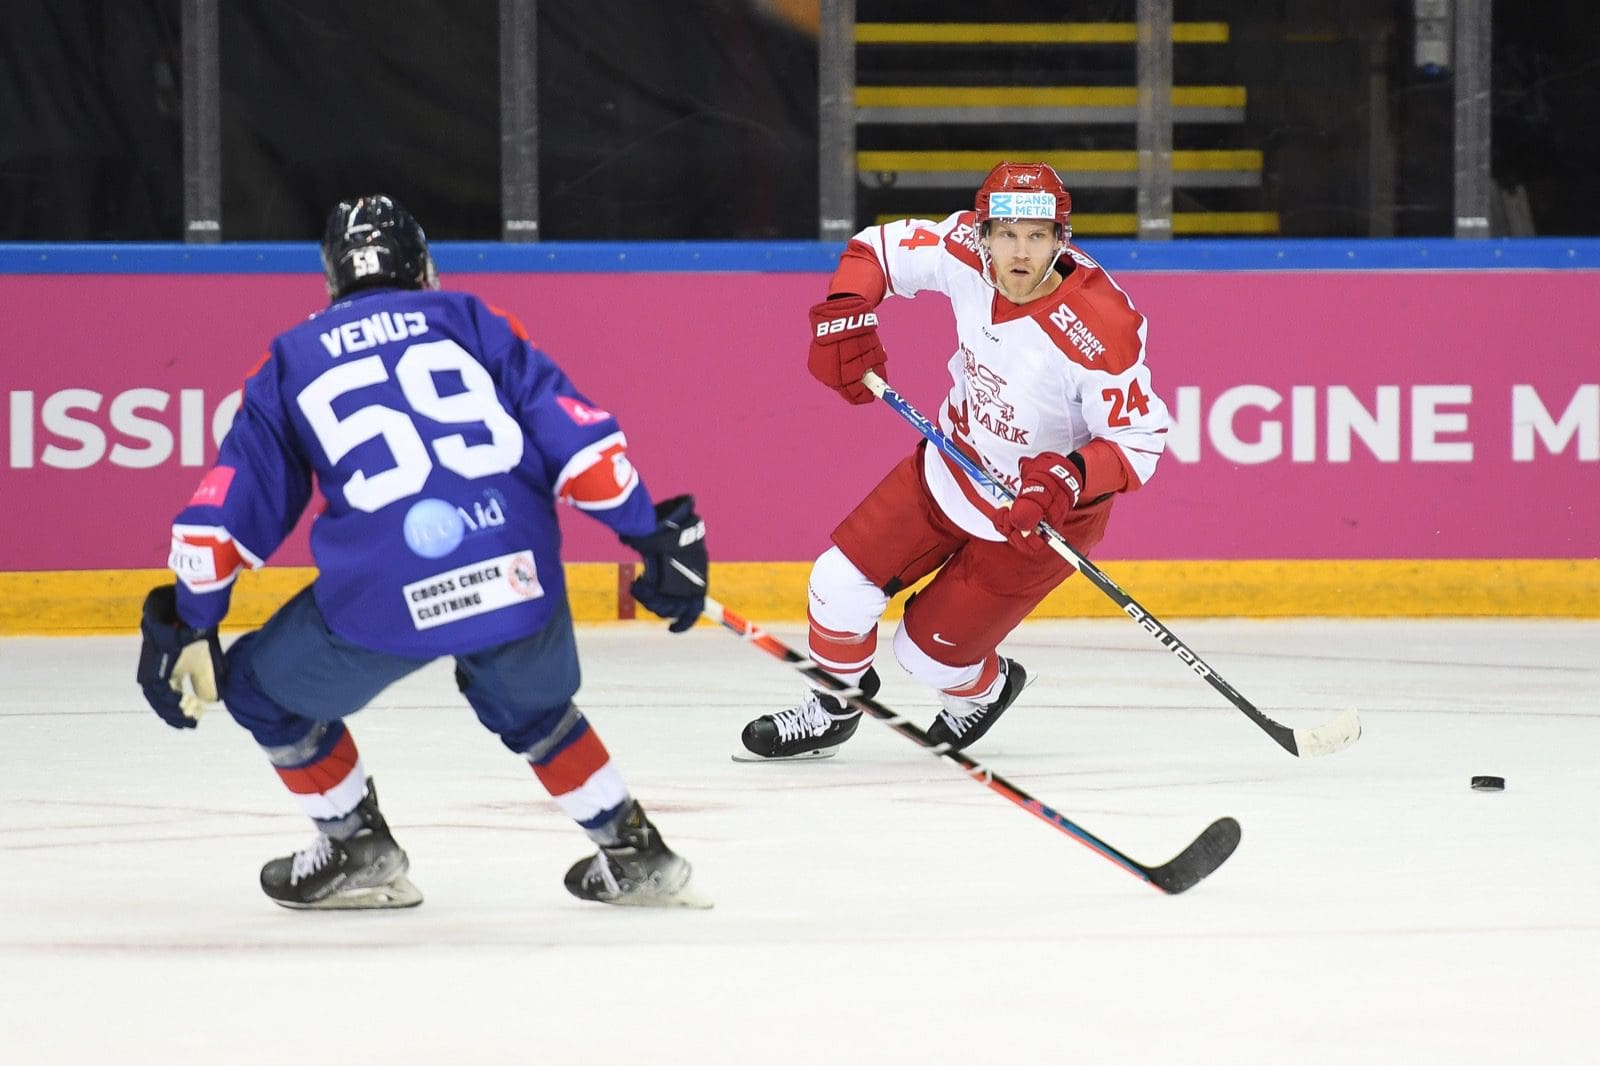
959,723
309,860
809,719
601,868
961,714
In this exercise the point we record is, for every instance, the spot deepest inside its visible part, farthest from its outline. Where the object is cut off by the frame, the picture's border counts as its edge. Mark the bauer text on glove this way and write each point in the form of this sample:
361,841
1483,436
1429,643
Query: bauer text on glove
845,345
1051,485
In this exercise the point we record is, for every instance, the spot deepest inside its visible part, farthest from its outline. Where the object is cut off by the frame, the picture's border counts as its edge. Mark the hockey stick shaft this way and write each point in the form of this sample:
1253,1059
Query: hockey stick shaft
1323,740
1192,865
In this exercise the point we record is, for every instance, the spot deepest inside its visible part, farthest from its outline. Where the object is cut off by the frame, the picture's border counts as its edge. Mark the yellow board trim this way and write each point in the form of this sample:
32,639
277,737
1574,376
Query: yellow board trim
1184,223
1109,159
1030,96
1030,33
91,602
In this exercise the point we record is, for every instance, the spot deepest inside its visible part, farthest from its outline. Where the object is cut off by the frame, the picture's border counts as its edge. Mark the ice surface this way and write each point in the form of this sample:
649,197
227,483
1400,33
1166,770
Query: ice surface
878,907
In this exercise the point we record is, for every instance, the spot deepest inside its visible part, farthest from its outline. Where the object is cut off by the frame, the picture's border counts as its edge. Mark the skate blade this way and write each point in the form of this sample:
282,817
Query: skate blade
396,894
686,898
815,753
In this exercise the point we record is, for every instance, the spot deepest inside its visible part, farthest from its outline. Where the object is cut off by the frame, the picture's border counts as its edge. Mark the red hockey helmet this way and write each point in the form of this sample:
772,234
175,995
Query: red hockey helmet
1022,191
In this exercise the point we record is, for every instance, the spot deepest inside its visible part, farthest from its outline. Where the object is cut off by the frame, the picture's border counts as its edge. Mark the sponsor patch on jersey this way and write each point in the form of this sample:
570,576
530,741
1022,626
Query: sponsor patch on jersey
1077,333
206,558
213,488
433,528
1022,205
474,589
580,412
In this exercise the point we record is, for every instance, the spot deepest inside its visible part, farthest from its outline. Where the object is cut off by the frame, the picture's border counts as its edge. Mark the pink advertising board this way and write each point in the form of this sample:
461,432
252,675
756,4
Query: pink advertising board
1337,415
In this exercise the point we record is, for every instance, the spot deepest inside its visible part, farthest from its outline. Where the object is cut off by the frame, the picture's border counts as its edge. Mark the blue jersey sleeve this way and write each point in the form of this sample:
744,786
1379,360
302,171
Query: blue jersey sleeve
245,505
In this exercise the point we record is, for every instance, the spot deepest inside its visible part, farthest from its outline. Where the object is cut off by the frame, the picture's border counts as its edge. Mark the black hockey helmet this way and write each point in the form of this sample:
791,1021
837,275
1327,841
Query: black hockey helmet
372,240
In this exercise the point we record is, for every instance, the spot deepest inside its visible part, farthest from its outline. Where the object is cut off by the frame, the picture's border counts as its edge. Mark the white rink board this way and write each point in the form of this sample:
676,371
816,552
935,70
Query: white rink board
874,908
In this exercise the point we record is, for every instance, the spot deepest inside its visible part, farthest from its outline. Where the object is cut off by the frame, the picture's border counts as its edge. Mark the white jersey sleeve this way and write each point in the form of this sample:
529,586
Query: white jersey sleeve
1052,375
912,251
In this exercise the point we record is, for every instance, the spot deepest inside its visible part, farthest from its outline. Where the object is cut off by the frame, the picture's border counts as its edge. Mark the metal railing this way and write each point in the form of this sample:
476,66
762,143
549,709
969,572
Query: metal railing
840,109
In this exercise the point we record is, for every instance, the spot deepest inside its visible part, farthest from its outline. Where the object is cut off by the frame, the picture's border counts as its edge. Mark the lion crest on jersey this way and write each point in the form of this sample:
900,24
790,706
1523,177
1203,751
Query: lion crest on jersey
983,388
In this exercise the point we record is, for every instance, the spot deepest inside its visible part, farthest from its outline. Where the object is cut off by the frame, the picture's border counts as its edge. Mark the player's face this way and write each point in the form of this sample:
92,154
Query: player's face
1021,252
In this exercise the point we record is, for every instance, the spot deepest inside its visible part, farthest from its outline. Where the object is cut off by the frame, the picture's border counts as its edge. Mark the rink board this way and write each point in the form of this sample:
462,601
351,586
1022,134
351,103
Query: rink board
81,603
1389,427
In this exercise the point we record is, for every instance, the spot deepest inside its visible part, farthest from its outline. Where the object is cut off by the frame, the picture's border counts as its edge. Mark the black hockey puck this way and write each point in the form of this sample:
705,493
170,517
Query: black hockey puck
1485,783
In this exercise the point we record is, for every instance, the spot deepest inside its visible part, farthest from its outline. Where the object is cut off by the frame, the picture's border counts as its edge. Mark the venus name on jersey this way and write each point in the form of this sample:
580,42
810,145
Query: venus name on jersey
440,440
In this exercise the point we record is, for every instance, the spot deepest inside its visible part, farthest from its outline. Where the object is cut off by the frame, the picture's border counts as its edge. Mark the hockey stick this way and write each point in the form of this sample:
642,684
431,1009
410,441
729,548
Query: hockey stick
1191,865
1333,735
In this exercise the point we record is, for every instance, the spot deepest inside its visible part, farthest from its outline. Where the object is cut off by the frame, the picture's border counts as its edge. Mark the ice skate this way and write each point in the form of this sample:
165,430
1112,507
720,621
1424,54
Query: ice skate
367,871
812,730
638,871
963,721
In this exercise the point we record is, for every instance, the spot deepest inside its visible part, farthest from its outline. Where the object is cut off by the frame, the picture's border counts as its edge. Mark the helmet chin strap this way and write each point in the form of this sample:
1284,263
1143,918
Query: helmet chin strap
987,273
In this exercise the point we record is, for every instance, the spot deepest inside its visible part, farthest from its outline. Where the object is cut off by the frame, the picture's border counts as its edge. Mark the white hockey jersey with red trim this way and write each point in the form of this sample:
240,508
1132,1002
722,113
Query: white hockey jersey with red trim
1047,376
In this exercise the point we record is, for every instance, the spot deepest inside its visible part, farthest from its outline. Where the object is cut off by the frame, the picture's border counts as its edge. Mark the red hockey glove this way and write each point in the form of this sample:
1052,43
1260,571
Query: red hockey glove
1051,484
844,346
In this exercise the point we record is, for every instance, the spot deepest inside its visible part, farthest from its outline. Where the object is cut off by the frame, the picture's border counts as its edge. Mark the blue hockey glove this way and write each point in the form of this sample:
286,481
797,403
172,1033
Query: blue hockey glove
173,654
673,584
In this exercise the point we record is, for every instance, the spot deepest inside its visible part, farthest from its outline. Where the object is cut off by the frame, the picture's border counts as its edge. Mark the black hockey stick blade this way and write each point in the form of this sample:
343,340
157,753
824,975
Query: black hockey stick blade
1191,866
1196,862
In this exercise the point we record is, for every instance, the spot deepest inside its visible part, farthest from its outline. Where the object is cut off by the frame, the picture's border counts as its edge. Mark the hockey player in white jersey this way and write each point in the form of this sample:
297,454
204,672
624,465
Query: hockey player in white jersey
1049,393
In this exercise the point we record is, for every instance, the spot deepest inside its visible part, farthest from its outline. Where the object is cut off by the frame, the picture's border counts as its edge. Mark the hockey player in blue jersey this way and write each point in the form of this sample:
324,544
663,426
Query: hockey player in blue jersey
441,440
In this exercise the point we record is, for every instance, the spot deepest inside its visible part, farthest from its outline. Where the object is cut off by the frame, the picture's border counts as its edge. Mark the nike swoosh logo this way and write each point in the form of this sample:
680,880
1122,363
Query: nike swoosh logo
937,639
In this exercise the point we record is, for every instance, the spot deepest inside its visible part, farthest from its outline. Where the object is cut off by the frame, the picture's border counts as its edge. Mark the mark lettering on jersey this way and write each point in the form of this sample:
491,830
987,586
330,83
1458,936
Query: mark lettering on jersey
921,237
984,405
1080,335
373,330
581,412
471,590
991,336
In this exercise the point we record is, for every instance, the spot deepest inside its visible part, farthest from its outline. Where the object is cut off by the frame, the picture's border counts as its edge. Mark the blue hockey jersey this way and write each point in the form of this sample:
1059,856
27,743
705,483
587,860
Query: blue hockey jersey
441,440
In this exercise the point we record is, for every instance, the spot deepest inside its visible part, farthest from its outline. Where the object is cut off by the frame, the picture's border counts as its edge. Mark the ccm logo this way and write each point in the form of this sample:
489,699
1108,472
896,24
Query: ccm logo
842,325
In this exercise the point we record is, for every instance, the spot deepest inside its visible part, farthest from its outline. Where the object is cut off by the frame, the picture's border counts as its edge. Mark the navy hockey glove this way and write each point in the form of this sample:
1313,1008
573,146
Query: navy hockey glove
174,653
673,584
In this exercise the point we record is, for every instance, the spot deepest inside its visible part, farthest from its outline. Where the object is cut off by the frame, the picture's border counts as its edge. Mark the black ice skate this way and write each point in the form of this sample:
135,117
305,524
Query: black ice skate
367,871
813,730
963,721
638,871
